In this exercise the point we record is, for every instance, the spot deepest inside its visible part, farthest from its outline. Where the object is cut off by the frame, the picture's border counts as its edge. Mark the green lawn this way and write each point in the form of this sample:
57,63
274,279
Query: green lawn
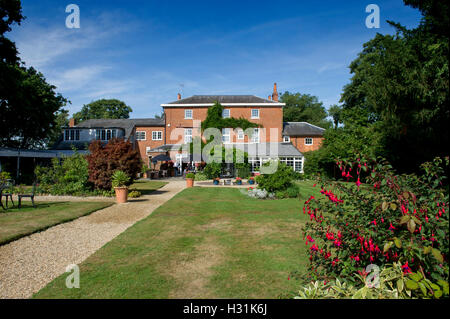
203,243
16,223
147,186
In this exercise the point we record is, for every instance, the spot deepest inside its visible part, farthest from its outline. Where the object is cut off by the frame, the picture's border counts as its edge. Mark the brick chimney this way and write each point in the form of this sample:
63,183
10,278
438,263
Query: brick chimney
179,96
270,97
275,93
72,122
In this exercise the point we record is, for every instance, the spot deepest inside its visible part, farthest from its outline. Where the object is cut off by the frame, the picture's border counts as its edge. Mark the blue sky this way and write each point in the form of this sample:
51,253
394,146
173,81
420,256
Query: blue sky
145,52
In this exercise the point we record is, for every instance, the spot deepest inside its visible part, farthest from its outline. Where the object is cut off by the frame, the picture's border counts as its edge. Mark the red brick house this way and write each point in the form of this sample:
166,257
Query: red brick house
181,122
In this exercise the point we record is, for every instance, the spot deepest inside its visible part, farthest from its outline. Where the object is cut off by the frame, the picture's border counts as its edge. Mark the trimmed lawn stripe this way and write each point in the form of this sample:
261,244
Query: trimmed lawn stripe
16,223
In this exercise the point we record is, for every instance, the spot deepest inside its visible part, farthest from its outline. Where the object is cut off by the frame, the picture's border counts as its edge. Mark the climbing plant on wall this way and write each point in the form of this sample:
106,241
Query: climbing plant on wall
214,119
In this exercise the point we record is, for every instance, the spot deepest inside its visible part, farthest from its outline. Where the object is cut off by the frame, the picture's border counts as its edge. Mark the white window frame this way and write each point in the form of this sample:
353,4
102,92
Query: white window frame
187,135
228,115
139,135
296,163
240,134
104,132
255,135
286,139
72,135
309,138
188,117
158,135
226,135
253,116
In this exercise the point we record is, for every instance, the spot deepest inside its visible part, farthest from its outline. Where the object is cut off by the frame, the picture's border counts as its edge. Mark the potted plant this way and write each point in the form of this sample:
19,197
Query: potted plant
216,181
144,171
190,179
238,181
119,181
251,180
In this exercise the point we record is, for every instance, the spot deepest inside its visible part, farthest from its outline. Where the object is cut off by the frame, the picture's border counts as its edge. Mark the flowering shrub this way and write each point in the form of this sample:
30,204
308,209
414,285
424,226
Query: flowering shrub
399,218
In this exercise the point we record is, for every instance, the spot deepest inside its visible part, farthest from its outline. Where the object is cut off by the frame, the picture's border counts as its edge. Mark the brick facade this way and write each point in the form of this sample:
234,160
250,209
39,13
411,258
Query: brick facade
299,143
149,142
270,118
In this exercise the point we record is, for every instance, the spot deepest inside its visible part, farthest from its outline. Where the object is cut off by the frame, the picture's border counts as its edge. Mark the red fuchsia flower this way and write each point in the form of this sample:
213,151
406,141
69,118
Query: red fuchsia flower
355,258
374,222
343,173
391,228
382,219
314,248
426,218
432,237
358,183
335,261
371,258
330,236
404,210
314,185
406,269
327,255
363,273
337,243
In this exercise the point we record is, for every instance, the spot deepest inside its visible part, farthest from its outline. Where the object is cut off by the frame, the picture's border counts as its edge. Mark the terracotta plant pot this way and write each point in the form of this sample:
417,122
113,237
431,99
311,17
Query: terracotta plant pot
189,182
121,194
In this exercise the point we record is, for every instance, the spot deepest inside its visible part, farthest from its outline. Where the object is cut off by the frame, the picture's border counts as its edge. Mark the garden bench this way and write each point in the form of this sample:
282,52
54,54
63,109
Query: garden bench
31,196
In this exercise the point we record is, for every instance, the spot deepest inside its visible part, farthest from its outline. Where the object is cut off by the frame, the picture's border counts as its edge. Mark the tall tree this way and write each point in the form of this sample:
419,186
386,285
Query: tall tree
402,81
28,104
396,104
103,109
304,108
335,111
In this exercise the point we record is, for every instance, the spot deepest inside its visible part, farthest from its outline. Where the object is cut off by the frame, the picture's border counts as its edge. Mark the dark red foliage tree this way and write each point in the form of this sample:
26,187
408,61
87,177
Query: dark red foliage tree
105,159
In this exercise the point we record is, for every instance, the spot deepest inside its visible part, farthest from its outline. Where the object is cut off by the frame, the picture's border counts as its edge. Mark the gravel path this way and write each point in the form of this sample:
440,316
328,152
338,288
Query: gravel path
30,263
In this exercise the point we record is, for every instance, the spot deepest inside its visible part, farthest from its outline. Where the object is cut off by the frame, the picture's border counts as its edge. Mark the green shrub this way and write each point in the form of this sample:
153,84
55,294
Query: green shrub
242,170
119,179
134,194
67,178
280,180
390,283
213,170
200,176
190,175
4,176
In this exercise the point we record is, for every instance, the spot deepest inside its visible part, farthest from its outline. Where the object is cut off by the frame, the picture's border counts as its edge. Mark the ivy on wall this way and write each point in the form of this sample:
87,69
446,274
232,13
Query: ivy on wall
214,119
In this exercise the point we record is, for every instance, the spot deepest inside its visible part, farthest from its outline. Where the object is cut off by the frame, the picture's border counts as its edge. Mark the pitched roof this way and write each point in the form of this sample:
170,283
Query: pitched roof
120,123
222,99
302,129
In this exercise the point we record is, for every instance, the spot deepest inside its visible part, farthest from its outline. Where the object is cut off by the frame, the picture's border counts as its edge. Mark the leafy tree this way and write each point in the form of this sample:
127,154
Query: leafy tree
61,120
396,104
304,108
103,109
335,111
401,82
10,13
28,104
